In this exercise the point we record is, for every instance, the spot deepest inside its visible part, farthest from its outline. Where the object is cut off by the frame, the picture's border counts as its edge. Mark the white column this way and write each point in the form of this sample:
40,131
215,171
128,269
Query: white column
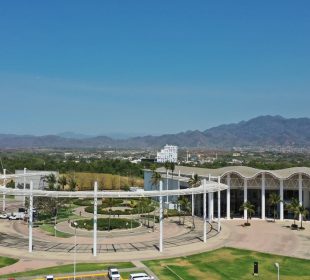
219,206
300,191
228,198
95,219
281,202
167,199
306,198
263,196
245,197
204,211
4,184
24,199
160,218
30,213
210,206
193,205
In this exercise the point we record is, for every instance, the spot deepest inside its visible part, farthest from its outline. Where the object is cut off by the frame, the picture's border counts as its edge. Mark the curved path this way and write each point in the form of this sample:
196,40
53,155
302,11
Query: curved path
15,236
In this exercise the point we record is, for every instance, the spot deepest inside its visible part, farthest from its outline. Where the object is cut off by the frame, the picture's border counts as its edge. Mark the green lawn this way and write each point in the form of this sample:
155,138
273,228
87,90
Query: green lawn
229,263
4,261
50,229
63,269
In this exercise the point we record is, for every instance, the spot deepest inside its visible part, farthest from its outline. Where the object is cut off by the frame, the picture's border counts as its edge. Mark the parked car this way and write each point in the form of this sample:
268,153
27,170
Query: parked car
4,216
140,276
17,216
49,277
13,217
113,273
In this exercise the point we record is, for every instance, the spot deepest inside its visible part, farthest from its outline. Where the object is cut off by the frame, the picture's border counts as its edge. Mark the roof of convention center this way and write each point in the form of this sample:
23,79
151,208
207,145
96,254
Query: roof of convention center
244,171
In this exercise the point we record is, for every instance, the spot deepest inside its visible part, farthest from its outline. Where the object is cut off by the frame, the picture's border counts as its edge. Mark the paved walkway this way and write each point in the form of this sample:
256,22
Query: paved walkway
262,236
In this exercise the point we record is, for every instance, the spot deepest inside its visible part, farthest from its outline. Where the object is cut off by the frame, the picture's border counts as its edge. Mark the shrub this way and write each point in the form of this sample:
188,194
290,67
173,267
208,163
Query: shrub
103,224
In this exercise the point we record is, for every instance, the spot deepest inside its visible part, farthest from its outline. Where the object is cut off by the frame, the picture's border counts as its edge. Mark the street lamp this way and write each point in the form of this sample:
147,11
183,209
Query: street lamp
74,261
278,267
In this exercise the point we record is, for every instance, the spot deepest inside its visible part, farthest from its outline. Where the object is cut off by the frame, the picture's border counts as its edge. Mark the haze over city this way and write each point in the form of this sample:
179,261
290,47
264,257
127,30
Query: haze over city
143,67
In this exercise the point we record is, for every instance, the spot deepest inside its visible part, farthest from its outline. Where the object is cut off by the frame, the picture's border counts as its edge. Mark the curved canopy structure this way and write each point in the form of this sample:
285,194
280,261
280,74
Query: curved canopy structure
210,187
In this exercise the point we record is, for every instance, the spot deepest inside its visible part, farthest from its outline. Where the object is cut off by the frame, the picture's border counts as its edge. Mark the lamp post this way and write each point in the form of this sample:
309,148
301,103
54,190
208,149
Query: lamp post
278,267
74,260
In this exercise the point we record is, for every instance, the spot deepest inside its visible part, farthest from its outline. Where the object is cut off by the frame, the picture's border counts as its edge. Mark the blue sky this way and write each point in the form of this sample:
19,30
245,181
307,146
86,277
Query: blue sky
150,67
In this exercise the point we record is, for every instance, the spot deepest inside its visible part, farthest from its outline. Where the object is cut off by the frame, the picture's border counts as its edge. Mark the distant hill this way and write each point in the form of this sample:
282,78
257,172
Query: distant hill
263,131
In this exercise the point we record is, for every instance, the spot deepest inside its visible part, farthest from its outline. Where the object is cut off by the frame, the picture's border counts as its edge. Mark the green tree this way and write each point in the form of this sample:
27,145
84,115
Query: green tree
172,168
274,199
62,181
155,179
72,184
185,206
249,208
51,181
293,208
303,212
194,182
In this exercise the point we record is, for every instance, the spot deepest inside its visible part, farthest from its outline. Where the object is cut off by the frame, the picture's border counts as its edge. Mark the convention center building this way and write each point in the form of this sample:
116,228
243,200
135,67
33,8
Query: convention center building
244,184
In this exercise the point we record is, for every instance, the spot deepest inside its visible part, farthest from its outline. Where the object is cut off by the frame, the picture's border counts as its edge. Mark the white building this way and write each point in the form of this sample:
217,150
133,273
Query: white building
168,153
244,184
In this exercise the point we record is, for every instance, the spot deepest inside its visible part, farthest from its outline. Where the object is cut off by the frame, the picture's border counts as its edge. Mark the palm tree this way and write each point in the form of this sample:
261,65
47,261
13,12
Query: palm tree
293,207
194,182
62,181
109,201
250,210
172,168
72,184
155,179
185,206
274,200
303,212
51,181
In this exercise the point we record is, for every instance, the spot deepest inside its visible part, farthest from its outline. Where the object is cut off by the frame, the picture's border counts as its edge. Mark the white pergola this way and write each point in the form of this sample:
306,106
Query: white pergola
207,186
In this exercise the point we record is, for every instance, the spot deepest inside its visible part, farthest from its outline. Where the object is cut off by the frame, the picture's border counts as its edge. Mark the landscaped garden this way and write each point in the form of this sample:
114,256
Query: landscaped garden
4,261
229,263
68,268
221,264
106,224
125,207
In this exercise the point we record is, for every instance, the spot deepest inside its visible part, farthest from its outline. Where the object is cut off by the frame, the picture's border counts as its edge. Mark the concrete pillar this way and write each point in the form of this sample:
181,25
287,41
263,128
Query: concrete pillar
30,218
219,207
193,205
210,206
245,197
228,198
306,196
282,201
24,199
300,191
204,211
167,185
4,184
95,219
263,196
160,218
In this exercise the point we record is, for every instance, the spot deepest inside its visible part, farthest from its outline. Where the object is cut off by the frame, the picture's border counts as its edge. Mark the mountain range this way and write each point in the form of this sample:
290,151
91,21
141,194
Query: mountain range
262,131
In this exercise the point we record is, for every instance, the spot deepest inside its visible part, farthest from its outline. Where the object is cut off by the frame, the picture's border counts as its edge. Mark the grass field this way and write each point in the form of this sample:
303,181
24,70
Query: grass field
63,269
4,261
51,231
228,263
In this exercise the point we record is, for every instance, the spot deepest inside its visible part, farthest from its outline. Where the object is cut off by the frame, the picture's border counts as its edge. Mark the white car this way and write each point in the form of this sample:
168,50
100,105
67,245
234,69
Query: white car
4,216
113,274
140,276
13,217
